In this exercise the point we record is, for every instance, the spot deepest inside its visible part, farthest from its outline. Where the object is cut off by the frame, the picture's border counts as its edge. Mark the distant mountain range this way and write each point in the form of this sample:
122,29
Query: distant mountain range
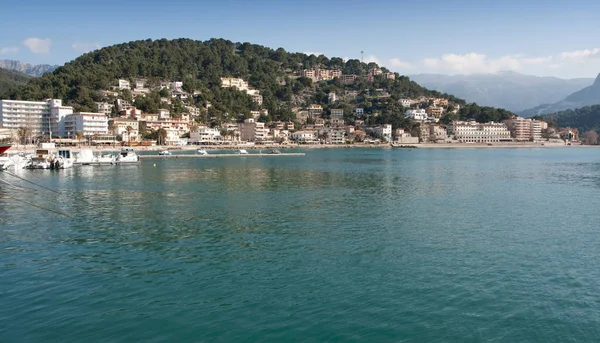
587,96
510,90
27,68
10,79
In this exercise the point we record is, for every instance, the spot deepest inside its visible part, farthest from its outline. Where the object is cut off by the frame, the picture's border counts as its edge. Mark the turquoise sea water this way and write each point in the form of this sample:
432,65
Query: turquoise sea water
421,245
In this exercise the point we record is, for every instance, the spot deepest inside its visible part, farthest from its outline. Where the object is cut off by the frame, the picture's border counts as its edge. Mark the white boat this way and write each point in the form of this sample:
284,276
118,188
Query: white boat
40,160
242,152
62,160
164,153
15,161
127,155
105,158
201,152
87,157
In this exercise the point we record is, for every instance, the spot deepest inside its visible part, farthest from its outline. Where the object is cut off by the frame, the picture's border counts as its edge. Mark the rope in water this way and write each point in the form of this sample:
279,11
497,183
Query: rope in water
31,182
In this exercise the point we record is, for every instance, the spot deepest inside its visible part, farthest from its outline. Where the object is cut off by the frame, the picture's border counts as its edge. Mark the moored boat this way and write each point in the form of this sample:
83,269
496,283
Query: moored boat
4,147
63,160
127,155
87,157
201,152
40,160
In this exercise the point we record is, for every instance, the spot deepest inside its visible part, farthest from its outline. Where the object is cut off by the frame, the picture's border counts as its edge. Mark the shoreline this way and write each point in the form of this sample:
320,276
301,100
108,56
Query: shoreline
527,145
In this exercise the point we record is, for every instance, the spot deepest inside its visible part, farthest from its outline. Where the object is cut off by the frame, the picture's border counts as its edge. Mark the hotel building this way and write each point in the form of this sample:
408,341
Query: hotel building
89,124
473,132
41,117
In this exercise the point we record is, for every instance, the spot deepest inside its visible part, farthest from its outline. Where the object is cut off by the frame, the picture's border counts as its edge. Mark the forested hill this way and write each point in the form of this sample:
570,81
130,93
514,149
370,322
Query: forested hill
10,79
200,65
584,119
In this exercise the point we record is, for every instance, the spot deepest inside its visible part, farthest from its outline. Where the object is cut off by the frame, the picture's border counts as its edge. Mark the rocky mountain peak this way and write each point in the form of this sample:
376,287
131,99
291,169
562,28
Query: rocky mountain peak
597,82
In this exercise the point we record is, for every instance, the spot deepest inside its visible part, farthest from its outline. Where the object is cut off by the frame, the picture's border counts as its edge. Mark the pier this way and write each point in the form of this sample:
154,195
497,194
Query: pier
143,157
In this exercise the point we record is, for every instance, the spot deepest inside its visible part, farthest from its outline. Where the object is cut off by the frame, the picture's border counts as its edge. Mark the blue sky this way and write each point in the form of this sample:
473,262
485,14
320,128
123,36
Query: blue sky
546,38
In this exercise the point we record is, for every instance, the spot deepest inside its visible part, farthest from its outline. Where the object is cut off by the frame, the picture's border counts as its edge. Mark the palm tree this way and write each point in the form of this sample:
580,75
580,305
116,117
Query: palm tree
79,136
24,134
129,129
161,136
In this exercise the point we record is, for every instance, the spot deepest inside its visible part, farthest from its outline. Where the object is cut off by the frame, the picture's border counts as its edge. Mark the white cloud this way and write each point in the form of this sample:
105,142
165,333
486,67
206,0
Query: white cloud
37,45
473,63
372,58
313,53
580,54
396,63
565,62
85,47
537,60
9,50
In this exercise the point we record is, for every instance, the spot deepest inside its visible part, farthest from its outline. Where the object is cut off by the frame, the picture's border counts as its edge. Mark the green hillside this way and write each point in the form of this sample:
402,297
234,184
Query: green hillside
10,79
584,119
200,65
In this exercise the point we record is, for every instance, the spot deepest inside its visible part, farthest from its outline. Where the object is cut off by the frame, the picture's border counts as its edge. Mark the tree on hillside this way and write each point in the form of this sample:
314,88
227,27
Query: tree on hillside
590,137
200,65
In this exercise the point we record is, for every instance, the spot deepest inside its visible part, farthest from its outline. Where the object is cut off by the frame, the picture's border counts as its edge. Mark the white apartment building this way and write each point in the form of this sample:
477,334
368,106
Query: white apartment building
203,134
405,102
473,132
105,108
303,136
192,110
418,114
240,84
41,117
176,86
88,124
257,98
124,84
333,136
331,97
384,131
57,115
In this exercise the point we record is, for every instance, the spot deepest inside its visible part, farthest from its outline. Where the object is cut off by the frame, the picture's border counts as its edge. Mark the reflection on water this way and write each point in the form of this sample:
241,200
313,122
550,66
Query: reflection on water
352,244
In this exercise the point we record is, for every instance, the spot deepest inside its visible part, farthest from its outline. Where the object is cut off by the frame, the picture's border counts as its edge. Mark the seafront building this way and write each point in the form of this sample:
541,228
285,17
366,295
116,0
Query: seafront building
525,129
40,117
128,129
204,135
252,131
88,124
474,132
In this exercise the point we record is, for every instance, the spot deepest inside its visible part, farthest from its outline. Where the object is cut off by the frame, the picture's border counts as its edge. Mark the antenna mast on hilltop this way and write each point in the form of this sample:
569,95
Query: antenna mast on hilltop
362,55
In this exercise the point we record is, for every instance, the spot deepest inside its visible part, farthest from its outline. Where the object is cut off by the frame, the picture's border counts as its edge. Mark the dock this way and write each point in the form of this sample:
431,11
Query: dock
143,157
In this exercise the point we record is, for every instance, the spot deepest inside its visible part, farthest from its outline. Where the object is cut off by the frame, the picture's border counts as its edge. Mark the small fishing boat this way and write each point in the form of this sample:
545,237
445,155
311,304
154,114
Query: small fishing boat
201,152
164,153
242,152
